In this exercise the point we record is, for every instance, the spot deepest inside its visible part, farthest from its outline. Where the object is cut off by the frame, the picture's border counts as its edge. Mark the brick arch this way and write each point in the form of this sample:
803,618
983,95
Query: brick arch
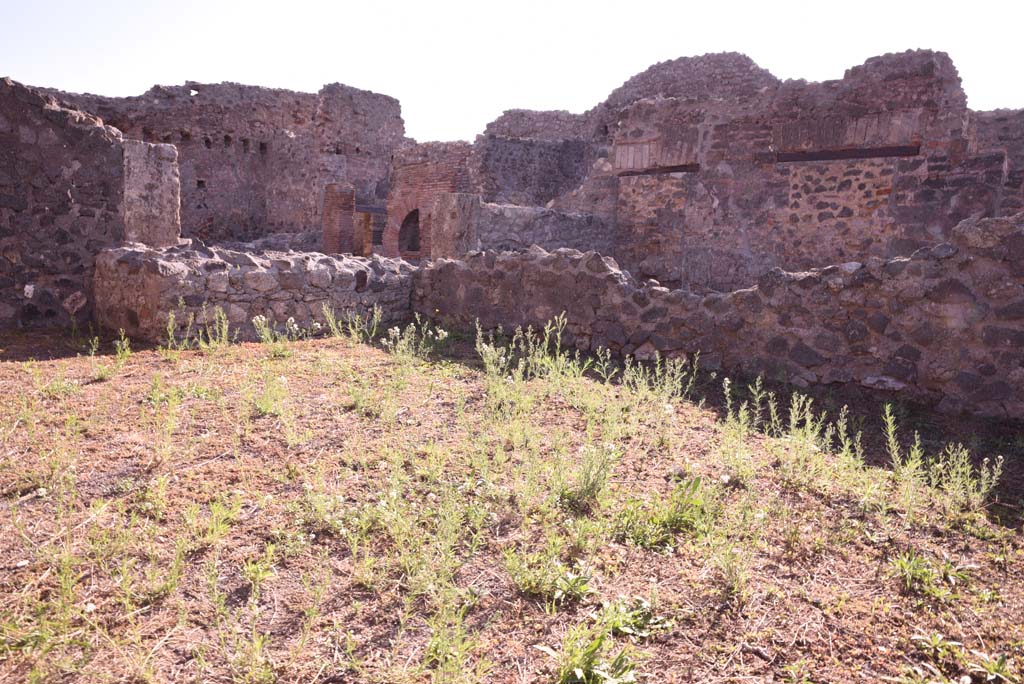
398,210
409,232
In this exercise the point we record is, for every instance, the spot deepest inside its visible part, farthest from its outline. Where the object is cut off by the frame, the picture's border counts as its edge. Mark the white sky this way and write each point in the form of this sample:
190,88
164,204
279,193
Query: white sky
457,65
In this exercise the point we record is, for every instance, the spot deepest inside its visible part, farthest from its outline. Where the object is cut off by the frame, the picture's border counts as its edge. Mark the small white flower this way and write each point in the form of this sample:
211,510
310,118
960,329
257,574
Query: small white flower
90,607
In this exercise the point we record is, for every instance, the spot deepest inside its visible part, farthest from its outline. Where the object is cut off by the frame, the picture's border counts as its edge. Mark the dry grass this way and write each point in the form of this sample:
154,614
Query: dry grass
327,511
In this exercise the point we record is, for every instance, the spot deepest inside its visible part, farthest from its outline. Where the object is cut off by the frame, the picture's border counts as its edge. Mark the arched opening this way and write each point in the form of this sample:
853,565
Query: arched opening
409,233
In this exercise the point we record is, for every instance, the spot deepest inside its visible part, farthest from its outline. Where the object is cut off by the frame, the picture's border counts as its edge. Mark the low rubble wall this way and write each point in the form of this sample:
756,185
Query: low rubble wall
137,287
945,325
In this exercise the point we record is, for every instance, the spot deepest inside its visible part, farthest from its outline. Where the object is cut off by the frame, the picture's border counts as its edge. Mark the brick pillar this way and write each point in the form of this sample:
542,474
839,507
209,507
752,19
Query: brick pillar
339,204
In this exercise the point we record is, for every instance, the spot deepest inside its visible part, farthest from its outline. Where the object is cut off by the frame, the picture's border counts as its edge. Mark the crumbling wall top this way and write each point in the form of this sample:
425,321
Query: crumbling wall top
546,125
718,76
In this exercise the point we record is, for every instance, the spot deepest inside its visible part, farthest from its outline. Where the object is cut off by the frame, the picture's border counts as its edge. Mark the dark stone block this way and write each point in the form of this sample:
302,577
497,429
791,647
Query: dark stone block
653,314
878,321
996,391
968,382
15,202
909,353
951,292
855,331
924,334
896,267
903,370
986,369
805,356
995,336
1011,312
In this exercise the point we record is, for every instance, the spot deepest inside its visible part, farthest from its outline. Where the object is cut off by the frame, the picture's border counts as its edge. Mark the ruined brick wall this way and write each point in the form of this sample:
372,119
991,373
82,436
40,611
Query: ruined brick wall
254,161
722,172
69,187
137,288
944,325
463,223
1003,131
420,174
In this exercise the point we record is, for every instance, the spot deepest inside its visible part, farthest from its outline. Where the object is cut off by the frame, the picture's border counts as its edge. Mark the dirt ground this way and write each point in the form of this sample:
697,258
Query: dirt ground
327,510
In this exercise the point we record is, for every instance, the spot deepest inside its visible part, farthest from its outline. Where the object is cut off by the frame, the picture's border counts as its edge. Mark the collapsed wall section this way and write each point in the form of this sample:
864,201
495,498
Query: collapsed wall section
1004,130
138,288
528,171
254,161
943,325
463,222
69,187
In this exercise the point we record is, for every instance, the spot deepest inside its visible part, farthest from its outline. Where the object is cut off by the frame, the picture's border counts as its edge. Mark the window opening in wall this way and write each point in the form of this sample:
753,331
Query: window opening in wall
227,141
245,144
208,143
850,153
185,136
192,92
167,137
263,148
409,233
659,170
378,236
200,183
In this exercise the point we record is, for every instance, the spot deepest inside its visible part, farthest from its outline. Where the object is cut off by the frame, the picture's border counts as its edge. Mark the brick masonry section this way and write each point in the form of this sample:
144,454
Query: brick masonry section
339,205
423,173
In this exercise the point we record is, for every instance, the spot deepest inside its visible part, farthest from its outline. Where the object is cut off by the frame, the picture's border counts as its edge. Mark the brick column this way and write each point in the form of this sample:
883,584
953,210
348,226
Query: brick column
339,204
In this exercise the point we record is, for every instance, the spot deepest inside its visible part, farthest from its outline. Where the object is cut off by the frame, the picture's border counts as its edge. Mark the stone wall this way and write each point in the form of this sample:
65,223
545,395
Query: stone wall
138,287
70,186
255,161
528,171
463,223
721,172
945,324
